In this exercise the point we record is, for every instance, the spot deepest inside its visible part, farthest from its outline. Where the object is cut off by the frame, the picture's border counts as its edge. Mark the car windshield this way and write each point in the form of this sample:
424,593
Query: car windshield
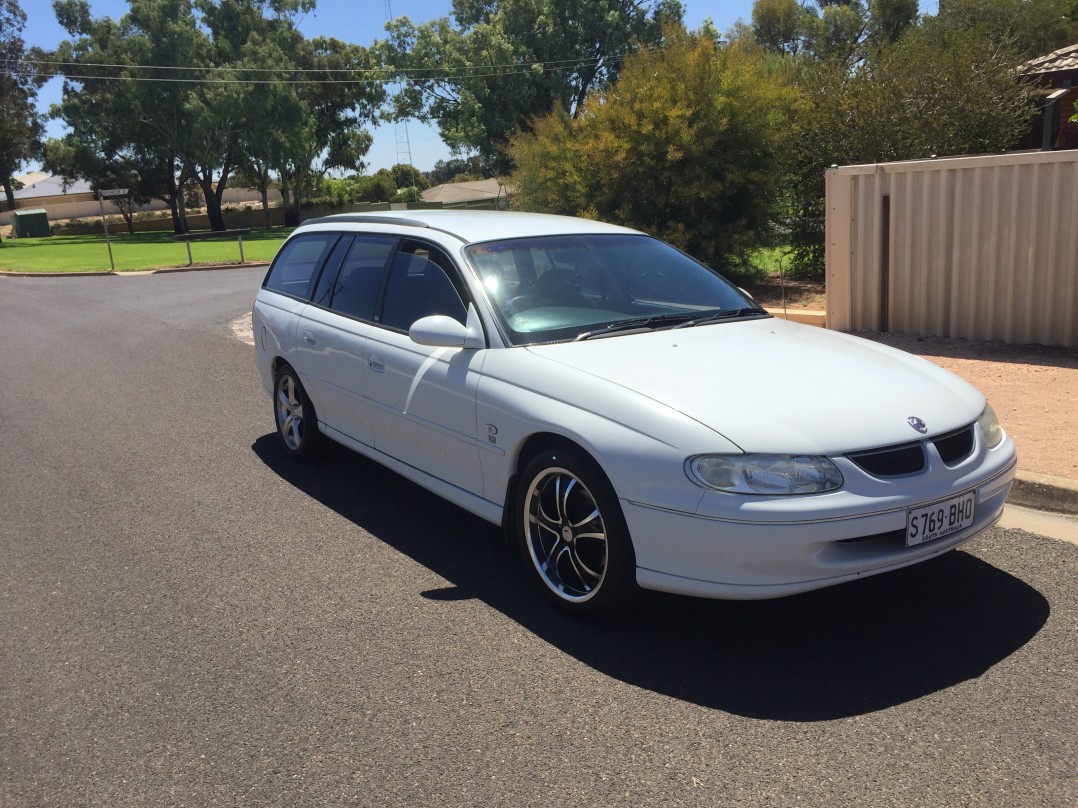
560,288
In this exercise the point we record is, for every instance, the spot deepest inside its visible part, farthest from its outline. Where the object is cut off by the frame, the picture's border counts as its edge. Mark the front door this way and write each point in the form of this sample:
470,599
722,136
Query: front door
422,399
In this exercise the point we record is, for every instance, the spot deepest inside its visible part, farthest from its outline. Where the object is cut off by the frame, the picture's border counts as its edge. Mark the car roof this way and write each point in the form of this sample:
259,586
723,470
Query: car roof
472,226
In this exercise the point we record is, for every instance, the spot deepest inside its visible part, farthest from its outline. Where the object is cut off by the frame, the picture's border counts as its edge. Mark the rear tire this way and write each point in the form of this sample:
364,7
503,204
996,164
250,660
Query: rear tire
293,412
572,534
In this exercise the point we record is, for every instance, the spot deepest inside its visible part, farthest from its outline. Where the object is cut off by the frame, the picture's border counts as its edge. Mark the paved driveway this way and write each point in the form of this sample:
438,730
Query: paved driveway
186,618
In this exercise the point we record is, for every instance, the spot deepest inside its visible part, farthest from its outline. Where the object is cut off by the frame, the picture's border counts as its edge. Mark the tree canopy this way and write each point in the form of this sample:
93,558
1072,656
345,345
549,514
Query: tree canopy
684,147
498,63
21,127
202,89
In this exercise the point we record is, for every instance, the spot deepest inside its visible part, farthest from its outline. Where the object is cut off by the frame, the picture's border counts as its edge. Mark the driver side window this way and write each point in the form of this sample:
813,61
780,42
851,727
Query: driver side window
419,286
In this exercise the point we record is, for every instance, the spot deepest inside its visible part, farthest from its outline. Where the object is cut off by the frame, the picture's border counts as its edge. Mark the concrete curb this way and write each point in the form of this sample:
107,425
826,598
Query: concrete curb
1044,492
182,268
247,265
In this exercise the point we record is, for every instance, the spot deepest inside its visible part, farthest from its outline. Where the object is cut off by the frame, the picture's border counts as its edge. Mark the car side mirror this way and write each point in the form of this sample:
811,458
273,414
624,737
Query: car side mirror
440,331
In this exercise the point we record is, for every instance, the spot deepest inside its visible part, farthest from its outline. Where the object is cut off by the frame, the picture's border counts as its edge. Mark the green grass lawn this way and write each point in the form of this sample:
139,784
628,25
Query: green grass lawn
131,251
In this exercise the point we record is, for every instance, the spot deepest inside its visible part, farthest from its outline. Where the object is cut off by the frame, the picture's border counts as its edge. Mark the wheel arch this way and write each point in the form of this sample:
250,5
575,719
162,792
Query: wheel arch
533,445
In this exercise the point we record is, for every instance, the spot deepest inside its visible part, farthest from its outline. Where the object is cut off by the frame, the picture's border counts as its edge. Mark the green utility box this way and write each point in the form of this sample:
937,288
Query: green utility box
31,223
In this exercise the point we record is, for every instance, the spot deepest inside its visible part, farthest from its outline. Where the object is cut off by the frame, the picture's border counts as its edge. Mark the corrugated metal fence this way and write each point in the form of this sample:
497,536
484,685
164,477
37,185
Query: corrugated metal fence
975,247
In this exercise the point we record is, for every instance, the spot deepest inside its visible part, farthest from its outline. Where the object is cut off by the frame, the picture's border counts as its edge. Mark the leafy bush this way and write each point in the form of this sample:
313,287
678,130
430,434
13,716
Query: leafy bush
685,147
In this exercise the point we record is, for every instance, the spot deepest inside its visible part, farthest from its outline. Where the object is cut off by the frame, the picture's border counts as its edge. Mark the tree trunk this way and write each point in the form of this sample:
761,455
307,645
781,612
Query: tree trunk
174,200
265,205
291,211
286,201
291,216
128,214
173,209
213,204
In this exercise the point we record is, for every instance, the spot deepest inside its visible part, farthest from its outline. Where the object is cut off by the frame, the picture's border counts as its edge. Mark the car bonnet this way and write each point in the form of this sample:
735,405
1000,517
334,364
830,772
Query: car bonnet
772,386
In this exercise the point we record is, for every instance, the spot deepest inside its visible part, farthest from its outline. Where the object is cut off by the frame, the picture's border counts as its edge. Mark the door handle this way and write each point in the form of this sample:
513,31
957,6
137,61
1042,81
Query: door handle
375,361
308,337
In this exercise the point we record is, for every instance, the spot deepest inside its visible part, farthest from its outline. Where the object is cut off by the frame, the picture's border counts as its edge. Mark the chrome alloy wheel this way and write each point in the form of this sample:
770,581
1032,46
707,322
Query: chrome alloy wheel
565,535
289,412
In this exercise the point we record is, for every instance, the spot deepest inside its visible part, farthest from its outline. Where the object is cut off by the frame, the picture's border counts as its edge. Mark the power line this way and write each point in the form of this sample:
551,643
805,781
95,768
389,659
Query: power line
514,67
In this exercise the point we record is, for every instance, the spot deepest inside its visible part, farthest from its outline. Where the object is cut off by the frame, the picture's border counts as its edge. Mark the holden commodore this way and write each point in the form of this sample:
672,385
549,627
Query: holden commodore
629,417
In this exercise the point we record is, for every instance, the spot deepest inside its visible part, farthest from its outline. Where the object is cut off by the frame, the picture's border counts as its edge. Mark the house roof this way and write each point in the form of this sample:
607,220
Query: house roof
30,177
1055,62
452,192
51,186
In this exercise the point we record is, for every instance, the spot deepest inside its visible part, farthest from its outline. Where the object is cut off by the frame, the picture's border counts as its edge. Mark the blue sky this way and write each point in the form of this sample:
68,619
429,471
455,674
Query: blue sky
359,21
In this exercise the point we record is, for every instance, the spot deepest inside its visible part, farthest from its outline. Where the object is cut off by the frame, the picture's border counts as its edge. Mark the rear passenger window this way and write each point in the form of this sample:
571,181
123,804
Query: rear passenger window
356,289
295,267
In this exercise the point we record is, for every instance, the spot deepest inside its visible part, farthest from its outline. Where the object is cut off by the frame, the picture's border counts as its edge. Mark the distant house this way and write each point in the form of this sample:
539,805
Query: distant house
42,191
1057,76
481,193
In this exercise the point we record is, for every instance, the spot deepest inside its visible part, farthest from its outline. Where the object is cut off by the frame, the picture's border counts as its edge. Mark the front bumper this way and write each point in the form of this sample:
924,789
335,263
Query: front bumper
754,548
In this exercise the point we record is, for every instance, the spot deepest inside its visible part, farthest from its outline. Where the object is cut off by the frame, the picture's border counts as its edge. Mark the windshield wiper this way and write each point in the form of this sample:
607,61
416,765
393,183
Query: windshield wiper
729,314
639,324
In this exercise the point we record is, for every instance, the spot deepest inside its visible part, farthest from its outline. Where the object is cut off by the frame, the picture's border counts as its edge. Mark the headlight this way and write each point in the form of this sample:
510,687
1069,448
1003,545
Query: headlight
764,474
990,428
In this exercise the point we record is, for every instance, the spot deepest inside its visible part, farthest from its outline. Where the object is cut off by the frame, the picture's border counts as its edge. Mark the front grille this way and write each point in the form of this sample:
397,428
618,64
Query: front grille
909,458
895,461
956,447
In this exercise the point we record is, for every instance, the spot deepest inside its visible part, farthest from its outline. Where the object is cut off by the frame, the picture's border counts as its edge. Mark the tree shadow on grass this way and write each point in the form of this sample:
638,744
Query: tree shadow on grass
844,651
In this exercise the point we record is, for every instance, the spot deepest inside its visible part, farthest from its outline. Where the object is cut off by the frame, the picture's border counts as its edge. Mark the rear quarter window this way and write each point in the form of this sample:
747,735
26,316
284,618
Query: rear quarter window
296,266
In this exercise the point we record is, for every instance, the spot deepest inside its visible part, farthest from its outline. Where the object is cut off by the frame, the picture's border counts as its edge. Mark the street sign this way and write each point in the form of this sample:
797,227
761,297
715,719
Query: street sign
102,195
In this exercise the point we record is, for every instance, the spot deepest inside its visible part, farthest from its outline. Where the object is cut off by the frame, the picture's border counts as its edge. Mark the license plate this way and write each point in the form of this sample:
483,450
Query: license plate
939,519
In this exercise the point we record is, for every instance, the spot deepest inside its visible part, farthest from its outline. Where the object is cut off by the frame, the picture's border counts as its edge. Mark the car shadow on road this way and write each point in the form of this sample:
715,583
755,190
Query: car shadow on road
839,652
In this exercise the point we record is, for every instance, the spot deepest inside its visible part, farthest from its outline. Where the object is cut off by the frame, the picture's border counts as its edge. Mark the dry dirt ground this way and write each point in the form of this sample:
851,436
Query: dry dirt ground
1034,389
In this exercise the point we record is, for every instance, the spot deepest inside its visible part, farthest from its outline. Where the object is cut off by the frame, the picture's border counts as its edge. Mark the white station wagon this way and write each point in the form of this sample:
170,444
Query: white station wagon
628,416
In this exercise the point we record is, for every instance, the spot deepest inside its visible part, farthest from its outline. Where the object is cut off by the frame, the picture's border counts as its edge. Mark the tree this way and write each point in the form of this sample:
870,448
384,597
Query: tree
922,95
504,62
406,176
203,86
685,146
845,30
459,169
325,112
1029,28
72,157
378,187
21,128
138,110
780,25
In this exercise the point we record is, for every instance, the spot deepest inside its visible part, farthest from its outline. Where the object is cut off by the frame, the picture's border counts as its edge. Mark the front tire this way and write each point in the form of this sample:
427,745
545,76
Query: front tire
297,423
572,534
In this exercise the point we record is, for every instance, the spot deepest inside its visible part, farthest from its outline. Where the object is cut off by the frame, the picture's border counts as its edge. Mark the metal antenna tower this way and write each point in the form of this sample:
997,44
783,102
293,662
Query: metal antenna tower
404,146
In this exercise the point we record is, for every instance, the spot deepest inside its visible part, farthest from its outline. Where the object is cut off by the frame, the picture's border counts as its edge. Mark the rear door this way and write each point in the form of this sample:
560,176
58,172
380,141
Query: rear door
332,332
283,297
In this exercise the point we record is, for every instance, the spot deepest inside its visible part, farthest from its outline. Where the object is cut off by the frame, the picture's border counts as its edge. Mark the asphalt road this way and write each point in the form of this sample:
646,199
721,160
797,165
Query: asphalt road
187,618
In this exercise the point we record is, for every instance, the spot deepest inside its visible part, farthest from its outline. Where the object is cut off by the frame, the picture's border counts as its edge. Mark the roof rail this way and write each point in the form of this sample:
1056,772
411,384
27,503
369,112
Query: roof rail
366,218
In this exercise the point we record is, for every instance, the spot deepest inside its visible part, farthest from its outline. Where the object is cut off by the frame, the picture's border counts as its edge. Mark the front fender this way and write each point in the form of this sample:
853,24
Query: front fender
640,443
